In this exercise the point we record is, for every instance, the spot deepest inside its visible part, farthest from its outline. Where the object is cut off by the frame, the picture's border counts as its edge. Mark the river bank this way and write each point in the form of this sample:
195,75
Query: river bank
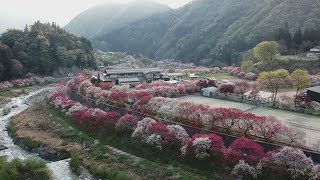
47,126
10,150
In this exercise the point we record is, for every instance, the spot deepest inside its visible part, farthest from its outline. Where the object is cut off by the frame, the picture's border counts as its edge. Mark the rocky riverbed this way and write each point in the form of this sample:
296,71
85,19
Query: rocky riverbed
60,169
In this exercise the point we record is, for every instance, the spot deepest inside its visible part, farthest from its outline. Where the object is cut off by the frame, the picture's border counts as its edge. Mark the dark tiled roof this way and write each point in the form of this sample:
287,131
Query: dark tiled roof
132,70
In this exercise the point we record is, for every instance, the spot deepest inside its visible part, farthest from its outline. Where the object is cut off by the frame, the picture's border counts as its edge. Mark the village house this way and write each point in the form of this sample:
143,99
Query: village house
314,52
314,93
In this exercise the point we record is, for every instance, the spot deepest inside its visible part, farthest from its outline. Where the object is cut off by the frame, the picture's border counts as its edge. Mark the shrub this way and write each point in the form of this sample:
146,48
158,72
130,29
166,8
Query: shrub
203,146
244,169
126,123
251,76
106,85
226,88
24,169
292,161
29,144
141,131
244,149
159,135
75,164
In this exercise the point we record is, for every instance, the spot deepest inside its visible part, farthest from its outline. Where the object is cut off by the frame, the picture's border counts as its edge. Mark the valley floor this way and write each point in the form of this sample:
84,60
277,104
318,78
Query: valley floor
45,125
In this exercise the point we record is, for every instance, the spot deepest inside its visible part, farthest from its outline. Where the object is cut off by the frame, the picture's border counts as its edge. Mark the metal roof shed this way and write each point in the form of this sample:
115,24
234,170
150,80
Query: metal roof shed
314,93
209,92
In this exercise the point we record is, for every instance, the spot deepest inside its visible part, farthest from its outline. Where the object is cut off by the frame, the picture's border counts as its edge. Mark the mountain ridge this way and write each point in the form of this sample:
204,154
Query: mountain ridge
208,31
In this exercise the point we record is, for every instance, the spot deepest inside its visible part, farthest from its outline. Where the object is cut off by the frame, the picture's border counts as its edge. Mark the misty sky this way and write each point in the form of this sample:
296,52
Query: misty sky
17,13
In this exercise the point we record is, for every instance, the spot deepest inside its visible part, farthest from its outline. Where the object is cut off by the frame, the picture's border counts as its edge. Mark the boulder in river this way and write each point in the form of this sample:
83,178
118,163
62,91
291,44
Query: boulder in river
2,147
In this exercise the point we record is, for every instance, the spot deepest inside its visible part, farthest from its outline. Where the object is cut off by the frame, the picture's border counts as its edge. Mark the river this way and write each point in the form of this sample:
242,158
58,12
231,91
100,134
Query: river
60,169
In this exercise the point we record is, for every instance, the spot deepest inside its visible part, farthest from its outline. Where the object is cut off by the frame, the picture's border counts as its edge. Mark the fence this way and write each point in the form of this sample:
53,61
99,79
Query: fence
191,130
258,101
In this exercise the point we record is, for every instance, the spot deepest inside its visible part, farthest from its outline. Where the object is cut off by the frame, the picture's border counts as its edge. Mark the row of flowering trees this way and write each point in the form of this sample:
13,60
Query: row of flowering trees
120,96
24,82
243,156
218,119
92,119
236,71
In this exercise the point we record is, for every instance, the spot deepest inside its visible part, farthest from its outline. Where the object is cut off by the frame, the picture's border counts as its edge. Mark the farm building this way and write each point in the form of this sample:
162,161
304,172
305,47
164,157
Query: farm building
209,92
314,52
314,93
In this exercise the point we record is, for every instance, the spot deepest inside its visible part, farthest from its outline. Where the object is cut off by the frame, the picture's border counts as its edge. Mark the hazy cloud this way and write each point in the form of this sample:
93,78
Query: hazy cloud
17,13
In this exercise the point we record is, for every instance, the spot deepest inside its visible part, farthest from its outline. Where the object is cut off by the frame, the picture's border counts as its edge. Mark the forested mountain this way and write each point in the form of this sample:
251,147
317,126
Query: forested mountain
103,19
41,49
207,31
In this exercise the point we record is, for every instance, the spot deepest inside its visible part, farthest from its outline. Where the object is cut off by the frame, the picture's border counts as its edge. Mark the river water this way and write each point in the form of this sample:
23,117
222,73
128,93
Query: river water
60,169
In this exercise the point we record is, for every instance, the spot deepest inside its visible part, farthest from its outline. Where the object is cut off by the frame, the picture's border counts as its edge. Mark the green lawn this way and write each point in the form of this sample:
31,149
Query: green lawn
225,76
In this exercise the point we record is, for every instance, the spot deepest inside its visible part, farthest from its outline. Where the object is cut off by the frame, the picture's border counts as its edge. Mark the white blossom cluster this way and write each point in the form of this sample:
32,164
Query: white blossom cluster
75,108
179,131
141,130
244,169
296,162
201,146
120,88
154,140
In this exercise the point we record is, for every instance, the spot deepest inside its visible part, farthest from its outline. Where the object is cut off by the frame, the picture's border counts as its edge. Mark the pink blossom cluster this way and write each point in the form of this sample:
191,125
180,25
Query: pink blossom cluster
5,85
251,76
154,84
120,96
220,119
24,82
116,95
226,69
236,71
287,161
244,155
215,70
203,146
93,119
315,80
126,123
159,135
120,88
315,105
244,149
293,162
164,89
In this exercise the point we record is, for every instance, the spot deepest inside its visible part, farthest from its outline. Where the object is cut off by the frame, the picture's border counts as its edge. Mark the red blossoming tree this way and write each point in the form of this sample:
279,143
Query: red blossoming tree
226,88
244,149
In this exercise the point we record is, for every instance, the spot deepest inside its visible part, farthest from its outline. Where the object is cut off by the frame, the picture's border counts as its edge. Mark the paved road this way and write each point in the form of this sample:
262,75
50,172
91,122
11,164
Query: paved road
309,123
